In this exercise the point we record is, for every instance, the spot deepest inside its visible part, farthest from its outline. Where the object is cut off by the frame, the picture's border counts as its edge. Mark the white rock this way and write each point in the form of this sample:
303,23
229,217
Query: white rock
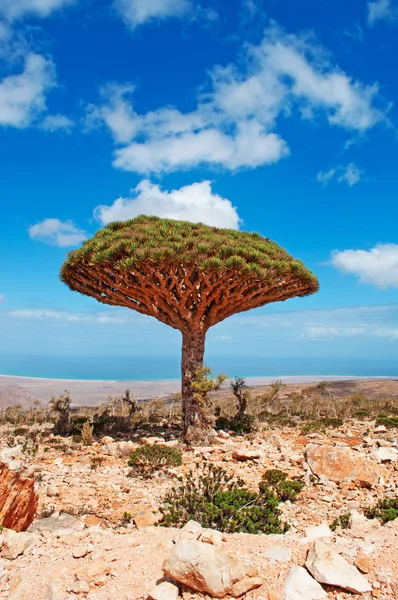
14,544
279,554
245,454
326,566
56,591
299,585
317,531
205,568
164,591
385,455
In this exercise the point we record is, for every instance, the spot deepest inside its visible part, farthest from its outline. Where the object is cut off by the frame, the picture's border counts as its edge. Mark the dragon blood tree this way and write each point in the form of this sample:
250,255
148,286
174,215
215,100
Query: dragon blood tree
187,275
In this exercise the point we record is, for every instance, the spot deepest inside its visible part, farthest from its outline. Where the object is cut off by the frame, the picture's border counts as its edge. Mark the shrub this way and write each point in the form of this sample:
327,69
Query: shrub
389,422
322,424
342,521
285,489
20,431
238,424
385,510
96,462
87,434
146,460
217,500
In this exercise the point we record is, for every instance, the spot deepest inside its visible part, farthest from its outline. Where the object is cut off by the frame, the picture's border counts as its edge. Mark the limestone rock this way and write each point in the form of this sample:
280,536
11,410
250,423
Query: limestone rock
317,531
364,562
207,569
299,585
326,566
195,532
146,518
342,464
18,498
164,591
279,554
14,544
382,455
245,454
56,523
56,591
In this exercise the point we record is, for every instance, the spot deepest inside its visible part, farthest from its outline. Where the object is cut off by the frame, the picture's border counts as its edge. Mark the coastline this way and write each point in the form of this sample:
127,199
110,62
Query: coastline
25,391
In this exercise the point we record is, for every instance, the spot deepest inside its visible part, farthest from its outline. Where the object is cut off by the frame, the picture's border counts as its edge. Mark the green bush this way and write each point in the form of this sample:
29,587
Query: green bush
285,489
147,459
342,521
385,510
238,424
322,424
217,500
389,422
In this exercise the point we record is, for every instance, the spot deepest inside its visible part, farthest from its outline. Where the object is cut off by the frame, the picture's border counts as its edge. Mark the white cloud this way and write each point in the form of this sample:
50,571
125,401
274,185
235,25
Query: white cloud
196,203
57,233
138,12
234,124
349,174
2,297
16,9
319,333
381,10
66,317
23,96
56,122
378,266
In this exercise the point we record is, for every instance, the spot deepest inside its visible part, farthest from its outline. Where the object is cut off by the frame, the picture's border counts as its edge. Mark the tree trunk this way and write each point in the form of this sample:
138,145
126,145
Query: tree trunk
193,349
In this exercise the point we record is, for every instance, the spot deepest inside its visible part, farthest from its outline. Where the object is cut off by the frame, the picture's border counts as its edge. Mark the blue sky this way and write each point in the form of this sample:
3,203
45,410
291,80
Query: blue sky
248,114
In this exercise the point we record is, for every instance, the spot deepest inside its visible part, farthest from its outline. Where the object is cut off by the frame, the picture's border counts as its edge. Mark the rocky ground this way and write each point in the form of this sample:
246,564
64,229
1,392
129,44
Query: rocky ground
79,546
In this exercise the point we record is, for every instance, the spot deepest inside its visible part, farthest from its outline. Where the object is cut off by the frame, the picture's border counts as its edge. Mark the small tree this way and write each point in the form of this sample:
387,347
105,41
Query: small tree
187,275
242,395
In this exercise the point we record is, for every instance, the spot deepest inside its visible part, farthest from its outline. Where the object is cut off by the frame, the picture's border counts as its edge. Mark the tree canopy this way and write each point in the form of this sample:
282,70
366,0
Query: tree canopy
187,275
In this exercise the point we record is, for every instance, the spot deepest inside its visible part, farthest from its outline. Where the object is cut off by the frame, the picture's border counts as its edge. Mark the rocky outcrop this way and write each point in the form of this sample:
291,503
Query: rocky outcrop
326,566
18,498
299,585
342,464
207,569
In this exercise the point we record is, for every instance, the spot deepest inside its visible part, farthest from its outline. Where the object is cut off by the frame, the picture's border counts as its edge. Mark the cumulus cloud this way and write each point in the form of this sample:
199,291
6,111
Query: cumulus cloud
381,10
56,122
196,203
16,9
349,174
138,12
378,266
23,96
2,297
319,333
57,233
234,123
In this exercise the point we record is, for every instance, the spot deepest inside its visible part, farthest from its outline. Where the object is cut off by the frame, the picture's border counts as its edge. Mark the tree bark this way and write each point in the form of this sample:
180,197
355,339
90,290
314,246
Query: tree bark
193,349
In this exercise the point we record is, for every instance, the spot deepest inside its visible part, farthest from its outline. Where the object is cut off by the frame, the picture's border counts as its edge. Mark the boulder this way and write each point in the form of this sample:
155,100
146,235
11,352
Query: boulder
207,569
326,566
147,518
195,532
56,523
164,591
342,464
316,532
13,544
246,454
18,498
382,455
299,585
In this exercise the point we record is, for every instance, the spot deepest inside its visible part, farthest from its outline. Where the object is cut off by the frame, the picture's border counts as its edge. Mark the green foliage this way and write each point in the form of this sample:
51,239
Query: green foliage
385,510
203,385
151,240
279,419
274,476
217,500
342,521
241,422
322,424
389,422
285,489
127,518
147,459
76,423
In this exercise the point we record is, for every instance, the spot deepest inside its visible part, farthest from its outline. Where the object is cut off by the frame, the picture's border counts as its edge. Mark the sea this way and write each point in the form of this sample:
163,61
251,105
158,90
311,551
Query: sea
140,368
